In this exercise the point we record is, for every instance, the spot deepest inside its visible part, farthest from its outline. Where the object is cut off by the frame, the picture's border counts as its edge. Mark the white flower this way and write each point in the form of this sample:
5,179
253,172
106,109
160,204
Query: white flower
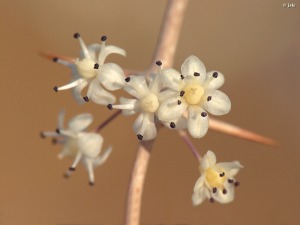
78,144
148,96
193,91
216,181
91,69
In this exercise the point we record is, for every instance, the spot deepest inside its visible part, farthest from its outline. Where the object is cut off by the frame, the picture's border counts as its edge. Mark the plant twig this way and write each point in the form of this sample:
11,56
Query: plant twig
164,52
183,134
108,120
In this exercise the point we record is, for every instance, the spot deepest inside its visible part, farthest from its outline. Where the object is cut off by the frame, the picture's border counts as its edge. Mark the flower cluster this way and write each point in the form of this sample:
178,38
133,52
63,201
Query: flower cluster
78,144
178,100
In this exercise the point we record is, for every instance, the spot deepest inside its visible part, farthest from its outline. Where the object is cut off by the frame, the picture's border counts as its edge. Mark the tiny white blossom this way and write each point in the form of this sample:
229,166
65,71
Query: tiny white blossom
193,91
217,181
78,144
148,96
91,69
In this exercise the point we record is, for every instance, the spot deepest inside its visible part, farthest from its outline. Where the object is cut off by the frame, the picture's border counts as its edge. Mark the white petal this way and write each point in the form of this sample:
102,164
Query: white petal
230,168
94,51
126,101
196,123
111,76
70,148
219,196
155,83
107,50
102,158
145,126
170,111
137,86
77,92
199,183
90,144
181,124
80,122
171,79
208,160
194,65
219,104
164,95
199,197
214,83
98,95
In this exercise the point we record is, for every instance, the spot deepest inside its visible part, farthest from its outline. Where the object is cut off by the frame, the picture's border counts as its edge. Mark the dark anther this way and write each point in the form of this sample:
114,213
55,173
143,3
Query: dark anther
109,106
54,141
196,74
140,137
55,59
172,125
55,89
212,200
91,183
215,74
203,114
57,131
127,79
208,98
224,191
182,93
230,181
86,98
66,176
236,183
96,66
42,135
103,38
72,168
214,190
178,102
76,35
182,77
222,174
159,63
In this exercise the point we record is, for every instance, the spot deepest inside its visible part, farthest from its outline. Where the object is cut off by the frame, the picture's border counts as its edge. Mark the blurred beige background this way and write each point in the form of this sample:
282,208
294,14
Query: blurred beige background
254,43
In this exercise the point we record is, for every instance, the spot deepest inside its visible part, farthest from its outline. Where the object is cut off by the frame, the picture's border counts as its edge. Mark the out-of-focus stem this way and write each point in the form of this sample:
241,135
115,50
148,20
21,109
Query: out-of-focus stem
165,51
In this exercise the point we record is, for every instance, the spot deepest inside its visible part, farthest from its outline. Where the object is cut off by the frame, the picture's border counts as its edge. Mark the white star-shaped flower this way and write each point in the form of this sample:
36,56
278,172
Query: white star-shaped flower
91,69
148,96
194,91
78,144
217,181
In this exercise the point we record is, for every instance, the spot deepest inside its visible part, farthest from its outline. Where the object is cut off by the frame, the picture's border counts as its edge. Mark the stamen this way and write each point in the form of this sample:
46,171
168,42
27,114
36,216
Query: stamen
172,125
55,59
54,141
214,190
76,35
103,38
55,89
208,98
127,79
72,168
178,102
236,183
212,200
215,74
182,93
96,66
203,114
230,181
224,191
109,106
42,134
86,98
159,63
196,74
222,174
57,131
140,137
182,77
91,183
66,176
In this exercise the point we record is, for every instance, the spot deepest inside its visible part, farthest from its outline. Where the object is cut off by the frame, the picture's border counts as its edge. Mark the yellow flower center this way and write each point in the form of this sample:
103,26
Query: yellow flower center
214,179
150,103
193,93
86,68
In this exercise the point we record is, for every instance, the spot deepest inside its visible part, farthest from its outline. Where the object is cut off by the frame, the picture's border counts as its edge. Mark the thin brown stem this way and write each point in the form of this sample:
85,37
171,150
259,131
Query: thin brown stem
108,120
183,134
